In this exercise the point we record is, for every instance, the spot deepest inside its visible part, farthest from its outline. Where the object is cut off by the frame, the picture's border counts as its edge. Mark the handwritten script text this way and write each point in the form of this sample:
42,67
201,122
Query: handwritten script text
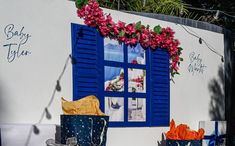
16,40
196,64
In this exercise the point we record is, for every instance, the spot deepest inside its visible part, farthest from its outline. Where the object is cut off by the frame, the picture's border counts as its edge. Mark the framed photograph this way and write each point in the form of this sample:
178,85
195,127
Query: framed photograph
113,51
114,79
136,80
137,109
136,55
114,108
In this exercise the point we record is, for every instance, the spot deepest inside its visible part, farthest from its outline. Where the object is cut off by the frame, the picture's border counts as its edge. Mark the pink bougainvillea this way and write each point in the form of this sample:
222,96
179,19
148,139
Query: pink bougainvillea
132,33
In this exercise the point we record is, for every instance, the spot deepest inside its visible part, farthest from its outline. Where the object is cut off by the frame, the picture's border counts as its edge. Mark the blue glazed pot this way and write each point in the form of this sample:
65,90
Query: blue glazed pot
183,142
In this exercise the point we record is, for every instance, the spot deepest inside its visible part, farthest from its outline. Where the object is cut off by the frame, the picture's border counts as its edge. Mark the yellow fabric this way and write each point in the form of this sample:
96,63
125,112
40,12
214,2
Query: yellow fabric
88,105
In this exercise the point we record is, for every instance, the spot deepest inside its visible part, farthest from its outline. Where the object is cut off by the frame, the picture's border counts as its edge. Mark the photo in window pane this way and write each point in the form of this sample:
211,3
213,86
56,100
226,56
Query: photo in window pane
114,108
136,80
136,55
136,109
113,51
113,79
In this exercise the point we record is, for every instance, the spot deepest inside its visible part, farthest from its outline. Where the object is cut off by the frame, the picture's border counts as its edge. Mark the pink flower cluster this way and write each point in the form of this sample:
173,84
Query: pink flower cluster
128,33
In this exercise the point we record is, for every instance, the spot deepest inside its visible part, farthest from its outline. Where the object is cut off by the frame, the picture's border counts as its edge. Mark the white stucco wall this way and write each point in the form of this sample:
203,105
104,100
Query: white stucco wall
27,83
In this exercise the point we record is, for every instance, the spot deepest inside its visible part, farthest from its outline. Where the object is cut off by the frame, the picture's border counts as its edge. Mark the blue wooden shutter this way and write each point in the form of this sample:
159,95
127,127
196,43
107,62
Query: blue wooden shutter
86,46
160,88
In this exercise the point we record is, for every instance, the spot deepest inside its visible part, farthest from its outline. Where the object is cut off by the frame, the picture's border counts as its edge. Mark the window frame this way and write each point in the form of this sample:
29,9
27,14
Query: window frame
125,94
88,76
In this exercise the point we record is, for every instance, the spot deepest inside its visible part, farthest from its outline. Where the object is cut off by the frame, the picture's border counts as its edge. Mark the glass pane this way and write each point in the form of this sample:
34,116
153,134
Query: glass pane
114,79
136,80
136,109
136,55
113,51
114,108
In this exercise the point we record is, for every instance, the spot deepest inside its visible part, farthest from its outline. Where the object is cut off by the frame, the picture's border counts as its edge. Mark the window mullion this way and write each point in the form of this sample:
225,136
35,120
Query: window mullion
125,84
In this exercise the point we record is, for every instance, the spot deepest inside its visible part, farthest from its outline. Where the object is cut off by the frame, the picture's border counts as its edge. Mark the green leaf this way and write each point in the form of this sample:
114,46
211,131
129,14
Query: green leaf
138,25
180,48
181,59
112,33
157,29
134,35
80,3
121,33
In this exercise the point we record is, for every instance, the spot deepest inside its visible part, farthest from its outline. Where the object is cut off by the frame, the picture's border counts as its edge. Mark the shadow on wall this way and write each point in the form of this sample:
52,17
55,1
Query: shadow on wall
217,103
162,142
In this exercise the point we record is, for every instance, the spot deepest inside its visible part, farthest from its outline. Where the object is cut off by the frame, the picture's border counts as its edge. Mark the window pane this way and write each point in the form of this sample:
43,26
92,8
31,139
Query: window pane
136,80
113,51
136,109
136,55
114,107
114,79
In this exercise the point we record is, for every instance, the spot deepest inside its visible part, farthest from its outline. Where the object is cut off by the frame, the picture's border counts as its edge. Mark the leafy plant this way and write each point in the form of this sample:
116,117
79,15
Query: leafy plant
80,3
132,33
168,7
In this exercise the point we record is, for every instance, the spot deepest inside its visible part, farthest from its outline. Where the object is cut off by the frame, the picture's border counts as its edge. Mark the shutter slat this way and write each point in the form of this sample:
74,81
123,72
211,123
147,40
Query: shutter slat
89,61
81,80
160,83
87,55
87,85
159,57
160,65
160,71
87,89
161,93
157,84
160,79
86,37
158,89
159,101
86,51
162,52
161,74
85,42
82,72
85,31
160,97
84,47
88,66
88,46
160,61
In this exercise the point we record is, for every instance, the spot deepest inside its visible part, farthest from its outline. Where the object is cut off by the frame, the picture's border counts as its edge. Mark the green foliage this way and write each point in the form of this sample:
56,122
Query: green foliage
80,3
105,3
175,8
192,15
157,29
138,26
168,7
122,33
